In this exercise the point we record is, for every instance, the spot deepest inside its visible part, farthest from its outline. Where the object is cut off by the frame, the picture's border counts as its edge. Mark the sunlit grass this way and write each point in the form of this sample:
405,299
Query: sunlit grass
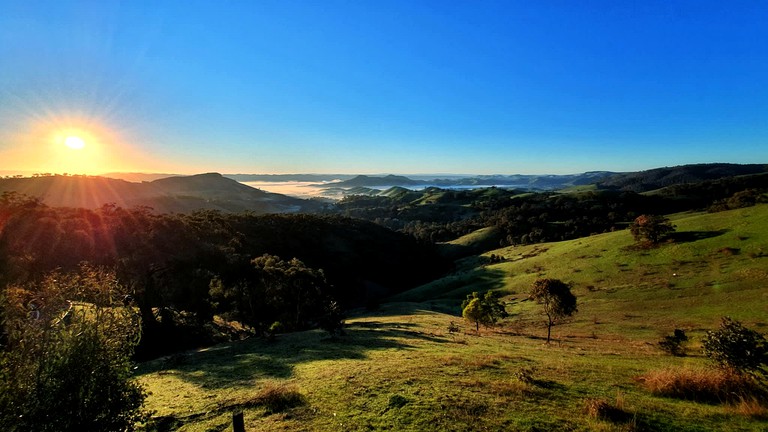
399,368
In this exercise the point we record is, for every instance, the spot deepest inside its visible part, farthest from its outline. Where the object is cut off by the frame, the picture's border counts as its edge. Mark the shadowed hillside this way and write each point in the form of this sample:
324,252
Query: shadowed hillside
168,195
644,181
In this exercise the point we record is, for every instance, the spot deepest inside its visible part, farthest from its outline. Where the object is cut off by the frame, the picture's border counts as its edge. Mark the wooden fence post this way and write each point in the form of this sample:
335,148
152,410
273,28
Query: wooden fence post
238,425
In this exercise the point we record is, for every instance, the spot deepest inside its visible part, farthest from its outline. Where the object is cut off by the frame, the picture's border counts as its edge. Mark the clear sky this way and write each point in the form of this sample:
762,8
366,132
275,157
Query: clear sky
381,86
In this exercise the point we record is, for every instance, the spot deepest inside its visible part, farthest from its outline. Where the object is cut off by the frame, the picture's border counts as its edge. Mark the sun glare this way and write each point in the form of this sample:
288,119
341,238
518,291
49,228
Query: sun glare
74,142
56,143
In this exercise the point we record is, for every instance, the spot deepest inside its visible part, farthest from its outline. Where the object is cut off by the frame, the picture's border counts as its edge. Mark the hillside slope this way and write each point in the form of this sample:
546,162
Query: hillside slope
643,181
715,265
185,194
400,368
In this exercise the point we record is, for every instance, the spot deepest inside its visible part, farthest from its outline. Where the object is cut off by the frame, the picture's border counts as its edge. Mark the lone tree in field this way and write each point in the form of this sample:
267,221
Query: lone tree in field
558,301
486,310
650,228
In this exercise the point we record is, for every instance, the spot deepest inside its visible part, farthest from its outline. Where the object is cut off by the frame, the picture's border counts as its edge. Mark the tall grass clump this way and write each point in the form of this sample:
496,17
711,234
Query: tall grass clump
703,385
277,398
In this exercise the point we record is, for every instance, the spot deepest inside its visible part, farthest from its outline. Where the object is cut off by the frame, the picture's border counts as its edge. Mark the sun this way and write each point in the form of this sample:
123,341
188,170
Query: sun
74,142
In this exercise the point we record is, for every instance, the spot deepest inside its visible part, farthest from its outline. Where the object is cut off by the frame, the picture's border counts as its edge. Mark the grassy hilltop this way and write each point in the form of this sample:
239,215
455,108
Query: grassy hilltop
399,368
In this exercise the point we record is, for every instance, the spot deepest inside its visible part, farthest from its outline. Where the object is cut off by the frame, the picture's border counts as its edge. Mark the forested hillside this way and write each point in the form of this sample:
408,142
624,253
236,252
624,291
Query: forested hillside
197,265
521,217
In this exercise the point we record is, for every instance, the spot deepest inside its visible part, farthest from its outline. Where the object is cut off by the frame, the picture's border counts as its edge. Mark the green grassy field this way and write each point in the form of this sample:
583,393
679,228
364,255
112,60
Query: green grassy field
400,369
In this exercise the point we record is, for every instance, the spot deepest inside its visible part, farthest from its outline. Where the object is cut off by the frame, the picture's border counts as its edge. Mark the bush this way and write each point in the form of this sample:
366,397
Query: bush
66,363
332,320
736,347
674,344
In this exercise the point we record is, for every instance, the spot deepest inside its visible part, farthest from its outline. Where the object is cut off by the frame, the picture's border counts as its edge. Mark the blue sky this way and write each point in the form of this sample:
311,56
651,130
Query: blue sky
381,86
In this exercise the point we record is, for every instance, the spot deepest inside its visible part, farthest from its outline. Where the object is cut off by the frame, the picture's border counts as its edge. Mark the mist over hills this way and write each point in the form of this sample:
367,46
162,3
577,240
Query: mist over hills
170,193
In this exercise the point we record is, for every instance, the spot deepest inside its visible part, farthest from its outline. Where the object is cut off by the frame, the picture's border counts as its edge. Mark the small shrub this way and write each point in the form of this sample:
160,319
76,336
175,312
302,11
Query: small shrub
453,328
674,344
736,347
274,329
525,375
332,320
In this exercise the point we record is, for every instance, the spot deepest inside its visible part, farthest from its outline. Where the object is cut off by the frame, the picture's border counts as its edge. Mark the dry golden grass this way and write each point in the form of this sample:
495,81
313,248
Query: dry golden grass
277,397
752,407
705,385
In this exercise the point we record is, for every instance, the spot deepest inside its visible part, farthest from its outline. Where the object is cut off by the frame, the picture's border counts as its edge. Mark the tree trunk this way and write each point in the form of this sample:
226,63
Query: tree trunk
549,331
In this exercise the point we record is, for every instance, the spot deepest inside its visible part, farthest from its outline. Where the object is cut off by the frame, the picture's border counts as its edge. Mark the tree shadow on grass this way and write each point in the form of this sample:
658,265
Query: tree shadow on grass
238,364
455,286
692,236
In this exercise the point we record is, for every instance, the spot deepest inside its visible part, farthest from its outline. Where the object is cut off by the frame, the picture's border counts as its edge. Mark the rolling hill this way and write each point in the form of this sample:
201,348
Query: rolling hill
181,194
401,368
644,181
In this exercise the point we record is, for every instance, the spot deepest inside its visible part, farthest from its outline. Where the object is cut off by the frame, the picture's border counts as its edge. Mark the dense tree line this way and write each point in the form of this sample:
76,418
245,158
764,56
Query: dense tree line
183,269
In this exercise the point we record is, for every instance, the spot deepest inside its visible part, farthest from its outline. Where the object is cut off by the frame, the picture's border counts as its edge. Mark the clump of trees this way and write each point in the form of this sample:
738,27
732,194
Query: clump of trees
65,355
557,300
273,290
651,228
486,309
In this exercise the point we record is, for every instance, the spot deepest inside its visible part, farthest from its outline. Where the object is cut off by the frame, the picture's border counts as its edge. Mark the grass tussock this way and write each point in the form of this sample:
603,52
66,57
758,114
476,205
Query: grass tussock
602,410
278,397
463,409
703,385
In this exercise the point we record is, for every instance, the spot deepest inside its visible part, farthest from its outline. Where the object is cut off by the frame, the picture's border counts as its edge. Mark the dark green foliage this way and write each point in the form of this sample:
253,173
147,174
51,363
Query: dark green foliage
673,344
397,401
332,319
172,264
558,301
651,228
273,290
736,347
486,309
66,363
684,176
740,199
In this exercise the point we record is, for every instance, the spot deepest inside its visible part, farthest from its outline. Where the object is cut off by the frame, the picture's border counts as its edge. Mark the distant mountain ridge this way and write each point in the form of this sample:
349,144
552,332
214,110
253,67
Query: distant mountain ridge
183,194
524,181
644,181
